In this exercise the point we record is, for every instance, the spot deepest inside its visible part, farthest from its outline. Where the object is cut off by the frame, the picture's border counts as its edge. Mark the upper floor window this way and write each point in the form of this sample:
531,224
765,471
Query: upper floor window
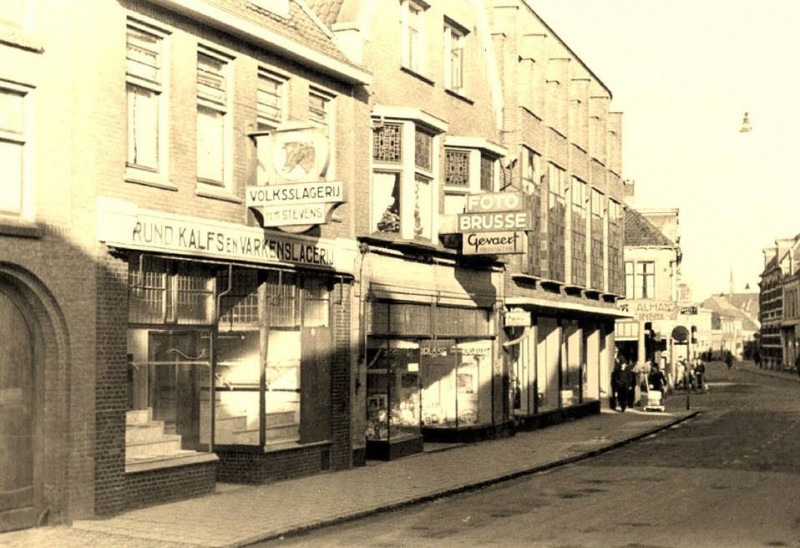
645,280
270,102
321,113
411,23
614,211
597,203
403,191
579,197
454,57
629,279
466,171
214,146
531,170
556,184
146,93
14,148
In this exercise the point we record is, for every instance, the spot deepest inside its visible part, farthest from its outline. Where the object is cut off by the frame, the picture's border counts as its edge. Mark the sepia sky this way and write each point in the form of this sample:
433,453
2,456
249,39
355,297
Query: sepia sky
683,72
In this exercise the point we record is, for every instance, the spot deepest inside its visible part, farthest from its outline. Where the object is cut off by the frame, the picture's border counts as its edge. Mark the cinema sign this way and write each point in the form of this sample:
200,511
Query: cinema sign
292,193
494,224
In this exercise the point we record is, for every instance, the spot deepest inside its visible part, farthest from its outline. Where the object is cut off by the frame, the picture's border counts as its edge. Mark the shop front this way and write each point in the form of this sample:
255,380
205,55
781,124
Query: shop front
431,367
232,351
558,359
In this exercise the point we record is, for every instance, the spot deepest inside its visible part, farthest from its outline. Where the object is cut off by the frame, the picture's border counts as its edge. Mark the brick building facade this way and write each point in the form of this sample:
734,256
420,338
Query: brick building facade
239,240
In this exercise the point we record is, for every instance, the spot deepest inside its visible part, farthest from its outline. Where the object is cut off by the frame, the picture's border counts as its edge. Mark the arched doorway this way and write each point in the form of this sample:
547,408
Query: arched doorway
20,483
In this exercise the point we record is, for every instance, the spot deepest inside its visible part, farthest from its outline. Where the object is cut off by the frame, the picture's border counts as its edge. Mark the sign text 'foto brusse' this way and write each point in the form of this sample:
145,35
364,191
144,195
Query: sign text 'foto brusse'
494,223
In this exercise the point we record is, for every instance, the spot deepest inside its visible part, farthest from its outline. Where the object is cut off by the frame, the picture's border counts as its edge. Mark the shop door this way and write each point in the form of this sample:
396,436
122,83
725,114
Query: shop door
18,412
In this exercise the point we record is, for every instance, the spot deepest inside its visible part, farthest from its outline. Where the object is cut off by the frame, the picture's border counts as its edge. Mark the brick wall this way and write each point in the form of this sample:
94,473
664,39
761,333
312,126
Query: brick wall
112,382
257,468
169,484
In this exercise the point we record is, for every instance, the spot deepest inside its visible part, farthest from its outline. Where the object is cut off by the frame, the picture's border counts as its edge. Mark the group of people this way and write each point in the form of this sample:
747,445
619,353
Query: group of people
625,379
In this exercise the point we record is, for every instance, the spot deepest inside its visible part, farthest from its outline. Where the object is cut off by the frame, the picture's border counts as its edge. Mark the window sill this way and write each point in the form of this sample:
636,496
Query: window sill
216,193
137,177
21,40
186,459
10,226
417,75
460,96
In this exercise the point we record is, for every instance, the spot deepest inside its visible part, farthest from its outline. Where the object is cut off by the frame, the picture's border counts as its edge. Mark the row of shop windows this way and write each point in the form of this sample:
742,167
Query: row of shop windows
229,356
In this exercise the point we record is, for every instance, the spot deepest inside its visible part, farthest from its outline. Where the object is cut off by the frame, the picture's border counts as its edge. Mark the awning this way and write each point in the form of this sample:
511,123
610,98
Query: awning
569,306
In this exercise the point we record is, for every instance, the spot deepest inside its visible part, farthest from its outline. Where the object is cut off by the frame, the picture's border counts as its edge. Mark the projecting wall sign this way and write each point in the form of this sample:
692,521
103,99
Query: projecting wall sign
494,223
291,193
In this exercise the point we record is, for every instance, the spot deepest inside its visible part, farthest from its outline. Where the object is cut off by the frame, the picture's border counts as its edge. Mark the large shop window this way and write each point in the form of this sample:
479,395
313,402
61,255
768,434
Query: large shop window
257,376
415,381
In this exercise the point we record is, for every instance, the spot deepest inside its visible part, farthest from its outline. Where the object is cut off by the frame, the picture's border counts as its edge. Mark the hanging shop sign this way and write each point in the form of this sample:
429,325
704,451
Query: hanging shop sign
494,223
123,225
517,317
646,310
291,193
493,243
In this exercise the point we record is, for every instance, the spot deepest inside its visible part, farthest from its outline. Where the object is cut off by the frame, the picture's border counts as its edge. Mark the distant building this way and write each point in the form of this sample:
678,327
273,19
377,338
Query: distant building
778,302
652,280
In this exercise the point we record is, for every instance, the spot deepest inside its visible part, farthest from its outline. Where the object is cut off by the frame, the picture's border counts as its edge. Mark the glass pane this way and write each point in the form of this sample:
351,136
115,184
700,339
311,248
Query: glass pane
473,382
210,145
211,78
142,127
422,207
195,295
393,390
147,282
239,307
179,375
236,389
282,300
316,298
454,203
438,379
12,111
11,177
387,143
282,398
144,55
456,168
386,202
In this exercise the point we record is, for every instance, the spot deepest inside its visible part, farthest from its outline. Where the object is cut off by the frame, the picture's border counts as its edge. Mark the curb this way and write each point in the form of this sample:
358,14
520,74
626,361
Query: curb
294,531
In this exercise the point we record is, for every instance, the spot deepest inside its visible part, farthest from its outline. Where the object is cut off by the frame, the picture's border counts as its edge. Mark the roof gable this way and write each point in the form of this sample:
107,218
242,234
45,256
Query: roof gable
641,232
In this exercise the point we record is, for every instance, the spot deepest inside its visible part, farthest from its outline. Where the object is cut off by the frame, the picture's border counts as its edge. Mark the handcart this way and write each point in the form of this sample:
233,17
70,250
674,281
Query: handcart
654,402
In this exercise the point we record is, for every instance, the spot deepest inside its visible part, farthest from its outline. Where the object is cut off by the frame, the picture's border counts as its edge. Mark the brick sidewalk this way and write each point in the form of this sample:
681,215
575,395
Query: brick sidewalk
239,515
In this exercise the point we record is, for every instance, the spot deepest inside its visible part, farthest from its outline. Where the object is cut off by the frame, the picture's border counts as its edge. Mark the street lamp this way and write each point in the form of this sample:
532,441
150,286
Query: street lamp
746,127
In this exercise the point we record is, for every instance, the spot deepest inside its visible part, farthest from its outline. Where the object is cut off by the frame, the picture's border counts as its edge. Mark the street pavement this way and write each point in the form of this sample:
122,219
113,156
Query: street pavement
237,515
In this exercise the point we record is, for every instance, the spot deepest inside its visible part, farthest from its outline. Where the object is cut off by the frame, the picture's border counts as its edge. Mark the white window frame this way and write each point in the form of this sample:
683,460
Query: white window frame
473,185
643,289
20,137
454,57
328,125
224,108
266,121
412,19
157,174
410,173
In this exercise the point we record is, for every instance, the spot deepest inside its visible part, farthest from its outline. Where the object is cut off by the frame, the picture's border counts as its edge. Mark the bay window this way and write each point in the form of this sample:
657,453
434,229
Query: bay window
404,197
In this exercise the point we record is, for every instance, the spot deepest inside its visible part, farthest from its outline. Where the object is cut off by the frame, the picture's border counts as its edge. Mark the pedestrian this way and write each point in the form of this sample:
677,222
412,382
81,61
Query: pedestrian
700,373
757,358
657,381
629,378
728,359
620,383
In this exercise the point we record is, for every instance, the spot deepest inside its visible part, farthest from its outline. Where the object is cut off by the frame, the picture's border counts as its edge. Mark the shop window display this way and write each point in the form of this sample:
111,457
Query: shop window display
248,373
456,383
393,390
